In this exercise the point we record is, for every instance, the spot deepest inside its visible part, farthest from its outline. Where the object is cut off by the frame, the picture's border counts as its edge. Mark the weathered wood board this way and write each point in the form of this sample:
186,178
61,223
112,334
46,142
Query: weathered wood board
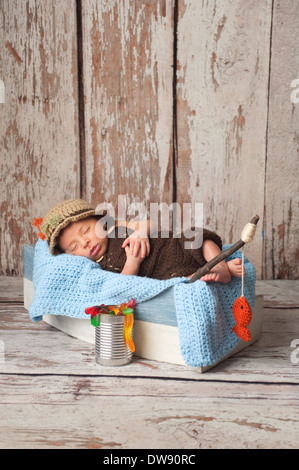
128,56
281,250
39,119
250,401
53,394
222,89
97,412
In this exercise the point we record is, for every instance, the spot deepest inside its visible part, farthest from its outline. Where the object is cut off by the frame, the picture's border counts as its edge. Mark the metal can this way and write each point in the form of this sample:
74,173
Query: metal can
110,346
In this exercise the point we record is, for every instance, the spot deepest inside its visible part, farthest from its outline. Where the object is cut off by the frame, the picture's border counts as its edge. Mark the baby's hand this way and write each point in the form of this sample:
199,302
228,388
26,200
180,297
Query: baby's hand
132,264
138,246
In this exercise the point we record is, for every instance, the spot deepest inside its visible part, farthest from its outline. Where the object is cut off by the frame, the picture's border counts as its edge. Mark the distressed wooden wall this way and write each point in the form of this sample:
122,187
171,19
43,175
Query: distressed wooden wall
281,218
161,101
128,76
39,119
223,67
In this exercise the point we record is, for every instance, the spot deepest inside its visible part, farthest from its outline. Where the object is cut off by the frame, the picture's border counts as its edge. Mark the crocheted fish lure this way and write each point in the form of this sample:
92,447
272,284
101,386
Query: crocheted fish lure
126,309
243,315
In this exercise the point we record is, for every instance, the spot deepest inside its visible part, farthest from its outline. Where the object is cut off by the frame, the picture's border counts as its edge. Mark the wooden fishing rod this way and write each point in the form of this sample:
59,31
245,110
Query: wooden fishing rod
247,235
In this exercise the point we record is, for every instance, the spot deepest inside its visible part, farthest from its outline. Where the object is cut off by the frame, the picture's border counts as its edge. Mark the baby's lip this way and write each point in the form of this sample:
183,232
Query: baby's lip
94,251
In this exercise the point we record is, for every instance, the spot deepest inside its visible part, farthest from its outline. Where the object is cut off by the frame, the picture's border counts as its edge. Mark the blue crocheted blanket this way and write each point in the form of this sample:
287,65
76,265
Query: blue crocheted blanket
66,285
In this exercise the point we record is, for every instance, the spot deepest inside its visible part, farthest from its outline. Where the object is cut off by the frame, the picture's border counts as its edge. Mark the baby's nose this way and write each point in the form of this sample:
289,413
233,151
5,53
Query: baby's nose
86,242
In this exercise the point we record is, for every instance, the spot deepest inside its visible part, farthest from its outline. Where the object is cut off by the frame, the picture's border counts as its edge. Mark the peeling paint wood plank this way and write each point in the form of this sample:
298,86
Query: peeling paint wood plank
37,348
279,293
99,412
11,289
39,122
282,182
67,388
222,83
47,373
128,55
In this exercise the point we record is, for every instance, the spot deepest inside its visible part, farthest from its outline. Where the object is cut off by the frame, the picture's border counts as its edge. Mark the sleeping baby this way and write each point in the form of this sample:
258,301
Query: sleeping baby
124,247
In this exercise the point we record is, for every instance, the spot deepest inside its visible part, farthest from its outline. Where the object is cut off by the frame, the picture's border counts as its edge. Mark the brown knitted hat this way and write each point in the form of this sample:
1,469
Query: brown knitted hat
62,215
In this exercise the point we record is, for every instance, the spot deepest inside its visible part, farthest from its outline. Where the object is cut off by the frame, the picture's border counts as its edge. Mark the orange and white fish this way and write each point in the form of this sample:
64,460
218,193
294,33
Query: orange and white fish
243,315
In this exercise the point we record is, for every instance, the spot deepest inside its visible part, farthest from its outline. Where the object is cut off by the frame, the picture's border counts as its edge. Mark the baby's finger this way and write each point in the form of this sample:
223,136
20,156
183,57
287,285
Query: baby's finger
131,244
135,247
126,242
144,249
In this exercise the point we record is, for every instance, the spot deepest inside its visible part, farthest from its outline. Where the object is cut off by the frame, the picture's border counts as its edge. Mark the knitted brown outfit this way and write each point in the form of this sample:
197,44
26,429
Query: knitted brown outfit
168,257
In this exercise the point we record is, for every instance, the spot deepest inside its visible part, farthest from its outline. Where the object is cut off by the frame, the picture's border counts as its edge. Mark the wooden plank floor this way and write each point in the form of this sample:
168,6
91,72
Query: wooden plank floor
53,395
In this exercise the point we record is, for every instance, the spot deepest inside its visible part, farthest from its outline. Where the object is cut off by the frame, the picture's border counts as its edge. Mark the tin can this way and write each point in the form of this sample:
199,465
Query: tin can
110,346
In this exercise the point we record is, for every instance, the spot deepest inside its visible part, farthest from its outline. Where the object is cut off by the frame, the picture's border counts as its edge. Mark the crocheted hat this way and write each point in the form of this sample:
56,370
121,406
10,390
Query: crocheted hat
62,215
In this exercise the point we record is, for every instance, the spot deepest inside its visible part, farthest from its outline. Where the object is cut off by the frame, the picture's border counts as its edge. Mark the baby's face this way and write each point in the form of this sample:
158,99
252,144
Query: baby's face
80,239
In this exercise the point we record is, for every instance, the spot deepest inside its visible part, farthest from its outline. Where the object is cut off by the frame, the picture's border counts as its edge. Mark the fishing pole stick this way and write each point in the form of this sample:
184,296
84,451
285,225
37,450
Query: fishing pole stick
246,237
